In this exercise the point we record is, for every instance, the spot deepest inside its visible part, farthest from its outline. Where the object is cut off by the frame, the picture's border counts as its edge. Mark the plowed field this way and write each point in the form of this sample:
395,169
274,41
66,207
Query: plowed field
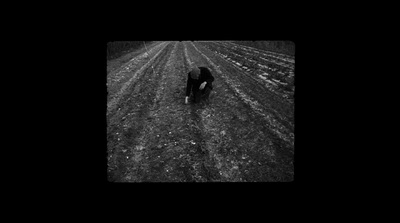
245,134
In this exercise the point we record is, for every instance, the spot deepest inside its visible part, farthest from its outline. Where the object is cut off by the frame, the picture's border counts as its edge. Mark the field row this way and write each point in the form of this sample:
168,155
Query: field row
253,90
119,80
275,75
248,130
245,134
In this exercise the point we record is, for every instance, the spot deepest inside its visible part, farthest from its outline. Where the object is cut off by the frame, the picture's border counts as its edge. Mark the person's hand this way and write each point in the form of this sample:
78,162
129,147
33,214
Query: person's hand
186,100
202,85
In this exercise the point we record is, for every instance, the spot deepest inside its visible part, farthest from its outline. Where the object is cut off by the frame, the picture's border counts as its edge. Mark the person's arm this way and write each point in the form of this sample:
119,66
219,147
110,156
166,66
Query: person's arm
188,88
208,78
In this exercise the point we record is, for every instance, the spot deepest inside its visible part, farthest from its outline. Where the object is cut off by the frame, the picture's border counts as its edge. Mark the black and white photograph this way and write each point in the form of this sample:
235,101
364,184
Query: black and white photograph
200,111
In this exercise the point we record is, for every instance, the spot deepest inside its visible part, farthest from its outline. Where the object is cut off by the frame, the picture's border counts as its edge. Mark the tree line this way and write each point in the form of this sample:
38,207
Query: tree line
118,48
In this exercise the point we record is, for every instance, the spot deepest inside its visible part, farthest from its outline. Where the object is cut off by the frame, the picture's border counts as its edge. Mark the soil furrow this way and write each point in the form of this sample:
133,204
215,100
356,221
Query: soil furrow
116,91
171,146
154,137
144,55
125,126
278,59
134,88
276,112
116,65
229,147
277,79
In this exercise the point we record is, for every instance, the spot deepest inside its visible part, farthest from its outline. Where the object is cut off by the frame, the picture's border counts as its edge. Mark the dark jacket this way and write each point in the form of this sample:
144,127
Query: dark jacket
205,75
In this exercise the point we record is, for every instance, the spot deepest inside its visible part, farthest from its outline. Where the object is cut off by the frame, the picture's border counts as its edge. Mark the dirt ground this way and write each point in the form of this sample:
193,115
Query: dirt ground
245,134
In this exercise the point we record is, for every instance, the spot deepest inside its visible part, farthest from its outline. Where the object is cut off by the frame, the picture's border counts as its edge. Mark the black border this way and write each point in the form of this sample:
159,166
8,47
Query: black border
85,107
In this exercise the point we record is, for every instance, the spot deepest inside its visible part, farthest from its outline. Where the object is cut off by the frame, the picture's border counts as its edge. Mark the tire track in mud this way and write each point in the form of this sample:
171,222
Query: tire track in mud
127,122
237,140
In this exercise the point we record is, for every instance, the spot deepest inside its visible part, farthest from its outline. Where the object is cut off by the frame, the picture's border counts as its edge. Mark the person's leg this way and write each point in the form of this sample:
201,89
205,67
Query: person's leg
196,96
206,94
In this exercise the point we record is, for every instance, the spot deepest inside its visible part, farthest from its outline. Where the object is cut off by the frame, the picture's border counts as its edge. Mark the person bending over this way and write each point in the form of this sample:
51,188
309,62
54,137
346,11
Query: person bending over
199,83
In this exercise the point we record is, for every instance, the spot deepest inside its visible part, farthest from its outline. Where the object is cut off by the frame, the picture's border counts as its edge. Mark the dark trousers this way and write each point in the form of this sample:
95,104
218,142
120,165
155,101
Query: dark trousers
201,94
